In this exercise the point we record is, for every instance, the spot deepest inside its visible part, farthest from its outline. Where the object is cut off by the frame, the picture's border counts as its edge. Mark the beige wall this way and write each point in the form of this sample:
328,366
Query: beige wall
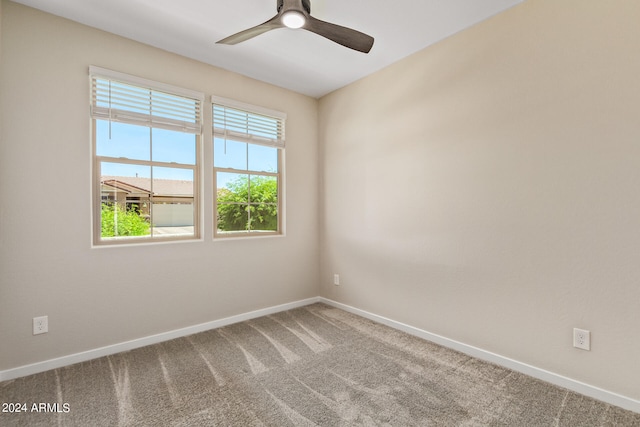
98,297
487,189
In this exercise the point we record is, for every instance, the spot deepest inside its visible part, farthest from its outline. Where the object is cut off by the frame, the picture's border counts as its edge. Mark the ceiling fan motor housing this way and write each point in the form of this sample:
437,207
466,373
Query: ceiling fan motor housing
306,4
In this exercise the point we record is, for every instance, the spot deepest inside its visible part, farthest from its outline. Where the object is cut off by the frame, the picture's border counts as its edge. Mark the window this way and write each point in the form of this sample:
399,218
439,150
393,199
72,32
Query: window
248,150
146,151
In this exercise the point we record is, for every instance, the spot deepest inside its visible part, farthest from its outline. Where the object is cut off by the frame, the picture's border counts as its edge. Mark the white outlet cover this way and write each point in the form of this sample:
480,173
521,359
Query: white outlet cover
40,325
581,339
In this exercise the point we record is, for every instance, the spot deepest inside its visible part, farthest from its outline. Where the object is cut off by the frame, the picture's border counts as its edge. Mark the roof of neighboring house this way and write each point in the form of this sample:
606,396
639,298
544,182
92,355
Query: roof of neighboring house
161,187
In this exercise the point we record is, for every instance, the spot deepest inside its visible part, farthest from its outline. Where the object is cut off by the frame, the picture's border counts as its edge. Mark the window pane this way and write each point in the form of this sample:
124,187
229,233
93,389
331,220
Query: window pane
232,217
263,195
232,200
262,158
173,219
263,189
247,202
229,154
109,169
232,187
174,176
125,191
128,141
264,217
173,207
172,146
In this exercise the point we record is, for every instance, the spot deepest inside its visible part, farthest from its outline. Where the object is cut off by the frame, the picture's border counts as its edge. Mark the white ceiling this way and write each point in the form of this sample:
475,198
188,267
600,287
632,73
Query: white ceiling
295,59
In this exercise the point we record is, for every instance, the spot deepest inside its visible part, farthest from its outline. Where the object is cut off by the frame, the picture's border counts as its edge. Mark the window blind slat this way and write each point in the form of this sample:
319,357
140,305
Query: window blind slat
120,101
131,117
246,126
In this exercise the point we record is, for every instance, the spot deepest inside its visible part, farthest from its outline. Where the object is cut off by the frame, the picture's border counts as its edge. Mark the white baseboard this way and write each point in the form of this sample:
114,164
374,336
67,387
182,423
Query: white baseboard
541,374
550,377
23,371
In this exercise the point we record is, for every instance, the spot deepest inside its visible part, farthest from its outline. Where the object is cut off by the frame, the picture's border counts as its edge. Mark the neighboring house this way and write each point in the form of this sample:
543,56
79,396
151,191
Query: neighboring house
170,201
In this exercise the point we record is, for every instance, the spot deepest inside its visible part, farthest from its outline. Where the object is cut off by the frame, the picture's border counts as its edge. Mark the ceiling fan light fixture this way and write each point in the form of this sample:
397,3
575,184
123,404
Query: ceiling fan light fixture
297,14
293,19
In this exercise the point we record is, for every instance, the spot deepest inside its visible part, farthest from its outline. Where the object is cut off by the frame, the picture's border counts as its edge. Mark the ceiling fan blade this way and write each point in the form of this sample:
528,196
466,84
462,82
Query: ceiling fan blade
271,24
347,37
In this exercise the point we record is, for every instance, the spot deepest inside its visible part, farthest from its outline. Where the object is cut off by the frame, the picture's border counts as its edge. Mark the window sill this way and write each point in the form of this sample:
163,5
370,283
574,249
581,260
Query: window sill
137,243
253,236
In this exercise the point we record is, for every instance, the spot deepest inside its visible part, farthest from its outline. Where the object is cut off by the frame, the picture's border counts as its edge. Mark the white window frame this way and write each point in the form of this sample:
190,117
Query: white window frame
276,142
124,116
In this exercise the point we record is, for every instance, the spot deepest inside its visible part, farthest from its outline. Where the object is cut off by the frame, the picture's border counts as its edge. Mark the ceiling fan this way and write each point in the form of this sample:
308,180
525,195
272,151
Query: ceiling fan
297,14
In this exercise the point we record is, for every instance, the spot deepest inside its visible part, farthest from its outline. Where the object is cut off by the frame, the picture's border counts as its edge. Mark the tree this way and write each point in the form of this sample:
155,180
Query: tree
249,204
117,221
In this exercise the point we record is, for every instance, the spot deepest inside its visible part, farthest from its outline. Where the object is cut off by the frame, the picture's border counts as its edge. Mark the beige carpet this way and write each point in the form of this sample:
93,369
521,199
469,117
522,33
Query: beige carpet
315,365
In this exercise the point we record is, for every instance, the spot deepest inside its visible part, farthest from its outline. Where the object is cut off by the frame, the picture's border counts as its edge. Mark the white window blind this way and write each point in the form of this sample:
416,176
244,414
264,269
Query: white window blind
244,123
119,97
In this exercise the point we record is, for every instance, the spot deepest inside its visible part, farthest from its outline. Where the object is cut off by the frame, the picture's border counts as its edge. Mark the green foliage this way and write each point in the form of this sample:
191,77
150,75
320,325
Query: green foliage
244,207
117,221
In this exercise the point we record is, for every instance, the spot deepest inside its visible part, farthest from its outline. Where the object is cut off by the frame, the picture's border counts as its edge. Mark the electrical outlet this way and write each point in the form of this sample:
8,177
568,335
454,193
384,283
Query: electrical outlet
40,325
336,279
581,339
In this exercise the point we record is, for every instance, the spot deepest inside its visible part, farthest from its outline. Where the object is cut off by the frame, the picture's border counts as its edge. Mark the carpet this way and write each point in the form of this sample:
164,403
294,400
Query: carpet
311,366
